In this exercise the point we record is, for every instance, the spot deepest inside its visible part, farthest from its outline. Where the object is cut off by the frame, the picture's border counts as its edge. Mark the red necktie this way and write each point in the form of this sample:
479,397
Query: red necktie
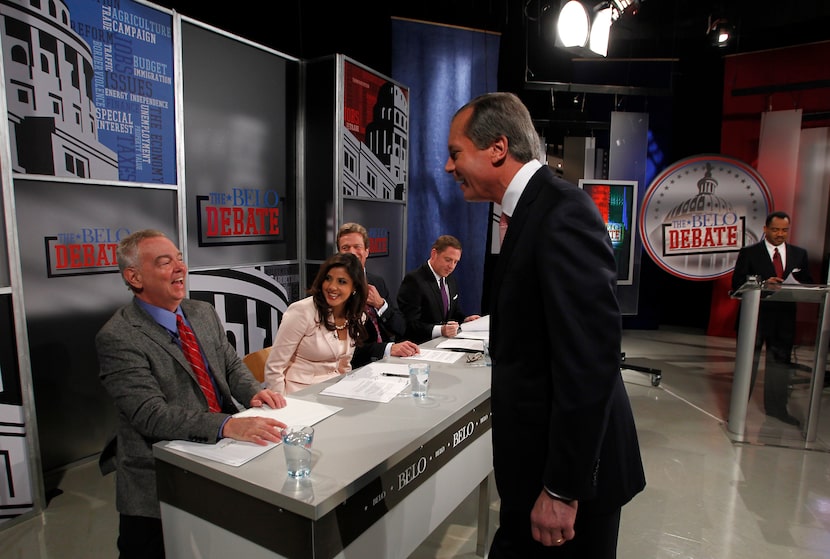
504,221
191,350
445,299
777,264
373,316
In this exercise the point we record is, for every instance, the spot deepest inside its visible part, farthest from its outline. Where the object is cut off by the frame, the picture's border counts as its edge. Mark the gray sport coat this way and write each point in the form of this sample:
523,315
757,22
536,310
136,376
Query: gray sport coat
157,395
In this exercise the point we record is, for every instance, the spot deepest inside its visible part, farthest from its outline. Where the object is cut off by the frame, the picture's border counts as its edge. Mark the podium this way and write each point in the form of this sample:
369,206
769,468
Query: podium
751,293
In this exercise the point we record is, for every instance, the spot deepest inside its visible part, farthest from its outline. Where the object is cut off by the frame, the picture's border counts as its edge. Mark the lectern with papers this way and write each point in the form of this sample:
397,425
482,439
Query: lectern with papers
751,294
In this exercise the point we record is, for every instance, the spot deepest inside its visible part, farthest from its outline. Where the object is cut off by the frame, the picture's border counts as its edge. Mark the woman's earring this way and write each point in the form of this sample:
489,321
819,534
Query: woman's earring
353,292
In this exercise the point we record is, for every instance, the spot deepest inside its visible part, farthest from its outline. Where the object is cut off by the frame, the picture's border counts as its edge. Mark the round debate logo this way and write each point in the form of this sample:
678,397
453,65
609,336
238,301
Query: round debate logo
699,212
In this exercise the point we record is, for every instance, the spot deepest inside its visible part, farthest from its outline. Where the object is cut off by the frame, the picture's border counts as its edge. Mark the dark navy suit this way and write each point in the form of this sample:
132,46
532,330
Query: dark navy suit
561,414
776,320
392,326
419,298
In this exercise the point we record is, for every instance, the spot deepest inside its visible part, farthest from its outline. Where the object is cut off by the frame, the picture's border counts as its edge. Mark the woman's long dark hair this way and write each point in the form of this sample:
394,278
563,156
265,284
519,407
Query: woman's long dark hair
355,304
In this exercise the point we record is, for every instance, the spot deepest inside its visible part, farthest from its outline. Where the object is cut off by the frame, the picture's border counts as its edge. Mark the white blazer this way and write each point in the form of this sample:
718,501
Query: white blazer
304,351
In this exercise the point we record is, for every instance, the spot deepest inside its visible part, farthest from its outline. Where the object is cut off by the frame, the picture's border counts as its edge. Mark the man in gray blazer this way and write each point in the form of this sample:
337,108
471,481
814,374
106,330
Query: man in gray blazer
157,391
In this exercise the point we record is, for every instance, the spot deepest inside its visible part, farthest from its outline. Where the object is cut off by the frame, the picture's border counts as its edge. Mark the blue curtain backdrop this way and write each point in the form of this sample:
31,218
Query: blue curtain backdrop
444,67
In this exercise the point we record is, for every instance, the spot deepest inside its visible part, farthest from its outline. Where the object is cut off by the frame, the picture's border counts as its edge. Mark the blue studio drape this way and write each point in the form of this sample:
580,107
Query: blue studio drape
444,67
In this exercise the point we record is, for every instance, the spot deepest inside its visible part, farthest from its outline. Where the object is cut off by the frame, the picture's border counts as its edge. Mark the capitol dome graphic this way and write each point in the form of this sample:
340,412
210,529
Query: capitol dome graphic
699,237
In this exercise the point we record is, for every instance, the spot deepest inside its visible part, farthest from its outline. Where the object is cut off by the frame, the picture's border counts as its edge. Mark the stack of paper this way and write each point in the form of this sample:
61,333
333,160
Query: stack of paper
478,329
463,344
236,453
376,382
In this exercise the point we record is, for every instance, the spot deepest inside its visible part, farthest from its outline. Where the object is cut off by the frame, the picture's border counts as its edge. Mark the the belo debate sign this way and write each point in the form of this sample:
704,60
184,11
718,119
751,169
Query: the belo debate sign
699,212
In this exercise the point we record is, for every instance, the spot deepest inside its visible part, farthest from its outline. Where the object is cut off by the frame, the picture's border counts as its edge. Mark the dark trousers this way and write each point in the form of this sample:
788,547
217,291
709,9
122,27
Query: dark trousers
596,538
777,369
140,537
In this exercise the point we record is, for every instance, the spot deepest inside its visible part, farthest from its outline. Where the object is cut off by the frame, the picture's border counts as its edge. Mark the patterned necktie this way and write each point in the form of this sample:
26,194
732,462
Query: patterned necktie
191,350
445,299
373,316
777,264
504,221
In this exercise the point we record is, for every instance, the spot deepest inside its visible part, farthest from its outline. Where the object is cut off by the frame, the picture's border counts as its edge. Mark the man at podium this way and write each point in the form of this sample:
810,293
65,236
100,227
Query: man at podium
774,260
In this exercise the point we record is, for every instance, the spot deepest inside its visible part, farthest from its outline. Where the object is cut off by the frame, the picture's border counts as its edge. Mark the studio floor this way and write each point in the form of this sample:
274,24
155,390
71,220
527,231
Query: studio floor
708,497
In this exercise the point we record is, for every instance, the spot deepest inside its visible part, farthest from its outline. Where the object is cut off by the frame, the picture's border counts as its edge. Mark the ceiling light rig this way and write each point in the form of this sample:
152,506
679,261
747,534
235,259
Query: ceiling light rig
720,32
585,27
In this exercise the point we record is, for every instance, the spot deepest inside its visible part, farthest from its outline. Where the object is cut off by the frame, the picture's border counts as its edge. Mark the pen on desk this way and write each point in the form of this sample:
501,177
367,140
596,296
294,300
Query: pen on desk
394,375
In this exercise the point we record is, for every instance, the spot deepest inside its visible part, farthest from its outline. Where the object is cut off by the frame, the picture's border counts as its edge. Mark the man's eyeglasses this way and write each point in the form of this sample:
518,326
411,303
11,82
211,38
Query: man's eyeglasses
473,357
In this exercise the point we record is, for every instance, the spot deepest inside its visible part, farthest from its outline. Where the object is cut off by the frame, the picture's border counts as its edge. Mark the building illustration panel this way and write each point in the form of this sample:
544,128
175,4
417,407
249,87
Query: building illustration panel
375,136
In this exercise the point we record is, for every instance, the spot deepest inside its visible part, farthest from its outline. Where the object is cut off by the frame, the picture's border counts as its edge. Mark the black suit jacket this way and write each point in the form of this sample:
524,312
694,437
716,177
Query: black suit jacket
392,327
420,301
561,414
775,318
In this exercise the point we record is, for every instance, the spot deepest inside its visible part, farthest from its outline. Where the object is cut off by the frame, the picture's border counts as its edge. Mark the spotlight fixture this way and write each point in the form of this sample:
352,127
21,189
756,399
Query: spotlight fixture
720,32
584,24
625,7
573,25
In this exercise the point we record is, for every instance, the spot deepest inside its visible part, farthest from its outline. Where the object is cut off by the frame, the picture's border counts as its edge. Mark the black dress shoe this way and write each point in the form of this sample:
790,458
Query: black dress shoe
785,417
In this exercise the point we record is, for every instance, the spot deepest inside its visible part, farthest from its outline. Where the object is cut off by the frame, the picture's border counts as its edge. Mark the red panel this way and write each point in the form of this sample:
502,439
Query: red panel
783,78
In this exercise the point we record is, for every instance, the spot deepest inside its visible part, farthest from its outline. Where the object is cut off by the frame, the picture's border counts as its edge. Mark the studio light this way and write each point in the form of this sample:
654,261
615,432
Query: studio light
601,31
720,32
585,27
622,7
574,24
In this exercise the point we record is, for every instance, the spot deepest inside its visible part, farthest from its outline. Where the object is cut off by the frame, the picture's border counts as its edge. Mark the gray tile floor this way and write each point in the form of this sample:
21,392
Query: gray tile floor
708,497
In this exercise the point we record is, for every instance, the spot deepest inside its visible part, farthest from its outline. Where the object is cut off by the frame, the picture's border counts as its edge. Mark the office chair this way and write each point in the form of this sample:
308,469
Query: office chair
256,362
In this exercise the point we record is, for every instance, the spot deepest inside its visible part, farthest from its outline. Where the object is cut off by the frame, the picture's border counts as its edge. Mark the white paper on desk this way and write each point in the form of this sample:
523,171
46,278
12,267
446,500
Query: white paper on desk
297,412
369,383
236,453
226,451
476,335
790,280
435,355
462,344
481,324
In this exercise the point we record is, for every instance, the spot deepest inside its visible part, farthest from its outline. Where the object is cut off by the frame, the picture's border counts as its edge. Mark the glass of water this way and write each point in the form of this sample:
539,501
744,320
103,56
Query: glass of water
419,379
297,440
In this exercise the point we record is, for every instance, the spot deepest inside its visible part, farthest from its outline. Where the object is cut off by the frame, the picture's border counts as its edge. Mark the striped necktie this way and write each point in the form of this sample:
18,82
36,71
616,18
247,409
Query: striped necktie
191,350
373,316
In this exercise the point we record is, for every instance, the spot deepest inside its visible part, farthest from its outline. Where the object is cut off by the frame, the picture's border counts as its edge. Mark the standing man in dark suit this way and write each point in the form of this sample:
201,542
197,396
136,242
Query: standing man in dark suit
565,449
385,324
429,312
776,320
159,394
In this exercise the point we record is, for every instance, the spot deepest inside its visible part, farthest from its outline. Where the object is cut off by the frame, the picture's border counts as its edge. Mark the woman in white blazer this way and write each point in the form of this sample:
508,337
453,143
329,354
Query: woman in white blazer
317,336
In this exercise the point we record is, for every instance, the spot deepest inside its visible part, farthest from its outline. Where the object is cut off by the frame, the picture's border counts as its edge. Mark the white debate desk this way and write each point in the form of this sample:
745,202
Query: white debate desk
384,476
